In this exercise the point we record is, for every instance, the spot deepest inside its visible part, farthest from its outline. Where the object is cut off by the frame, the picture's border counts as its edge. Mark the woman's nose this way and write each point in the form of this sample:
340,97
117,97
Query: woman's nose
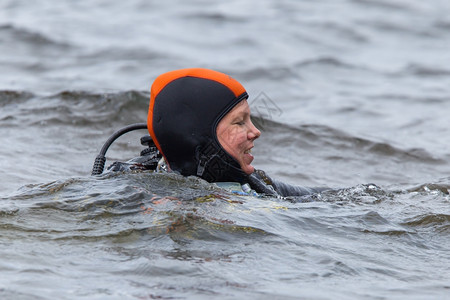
254,132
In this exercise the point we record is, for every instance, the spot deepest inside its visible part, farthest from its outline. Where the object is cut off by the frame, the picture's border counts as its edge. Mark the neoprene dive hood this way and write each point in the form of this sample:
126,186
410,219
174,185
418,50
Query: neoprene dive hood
185,108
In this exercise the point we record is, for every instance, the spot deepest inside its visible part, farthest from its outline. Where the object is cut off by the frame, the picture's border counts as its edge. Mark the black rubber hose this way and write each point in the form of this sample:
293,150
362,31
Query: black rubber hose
100,160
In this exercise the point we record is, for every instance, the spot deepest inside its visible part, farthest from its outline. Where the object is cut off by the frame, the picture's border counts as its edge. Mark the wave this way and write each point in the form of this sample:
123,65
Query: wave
327,61
216,16
339,140
388,6
336,63
347,32
8,97
154,203
119,205
428,99
33,39
115,54
79,108
435,219
442,186
399,29
274,73
425,71
442,24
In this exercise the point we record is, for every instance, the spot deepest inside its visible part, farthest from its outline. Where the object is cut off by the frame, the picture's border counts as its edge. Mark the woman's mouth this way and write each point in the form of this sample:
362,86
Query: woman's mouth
246,160
248,157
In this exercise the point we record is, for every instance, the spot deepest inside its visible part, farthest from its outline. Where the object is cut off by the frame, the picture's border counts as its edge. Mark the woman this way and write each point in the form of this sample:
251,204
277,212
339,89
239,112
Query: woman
199,120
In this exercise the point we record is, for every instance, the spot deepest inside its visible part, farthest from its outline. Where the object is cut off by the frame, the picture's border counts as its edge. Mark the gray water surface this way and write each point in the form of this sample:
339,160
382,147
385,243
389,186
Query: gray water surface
351,95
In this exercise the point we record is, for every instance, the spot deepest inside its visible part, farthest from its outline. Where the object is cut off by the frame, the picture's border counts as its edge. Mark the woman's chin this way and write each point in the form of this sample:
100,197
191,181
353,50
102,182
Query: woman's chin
248,169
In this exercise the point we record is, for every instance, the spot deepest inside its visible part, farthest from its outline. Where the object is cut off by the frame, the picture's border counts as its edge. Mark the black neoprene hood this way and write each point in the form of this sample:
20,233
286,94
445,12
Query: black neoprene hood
185,108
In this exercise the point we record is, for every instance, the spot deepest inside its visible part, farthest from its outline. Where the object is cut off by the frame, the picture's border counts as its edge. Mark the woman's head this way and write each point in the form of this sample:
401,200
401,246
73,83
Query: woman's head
186,108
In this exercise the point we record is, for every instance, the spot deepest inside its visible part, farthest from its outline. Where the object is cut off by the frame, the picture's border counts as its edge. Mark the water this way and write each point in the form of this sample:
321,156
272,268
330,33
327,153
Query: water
353,95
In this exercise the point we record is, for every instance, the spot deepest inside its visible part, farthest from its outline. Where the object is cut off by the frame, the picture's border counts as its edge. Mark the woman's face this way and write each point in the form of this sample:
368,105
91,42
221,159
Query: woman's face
236,134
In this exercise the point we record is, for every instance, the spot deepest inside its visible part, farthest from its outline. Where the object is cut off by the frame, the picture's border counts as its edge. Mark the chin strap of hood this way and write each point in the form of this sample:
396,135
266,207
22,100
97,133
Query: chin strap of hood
216,165
185,108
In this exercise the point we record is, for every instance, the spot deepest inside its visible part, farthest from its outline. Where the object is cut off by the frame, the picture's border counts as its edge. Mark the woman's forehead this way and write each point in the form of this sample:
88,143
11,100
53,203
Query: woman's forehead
241,107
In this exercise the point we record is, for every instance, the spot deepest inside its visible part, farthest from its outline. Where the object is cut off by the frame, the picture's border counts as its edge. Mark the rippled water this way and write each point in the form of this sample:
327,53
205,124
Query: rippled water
353,95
